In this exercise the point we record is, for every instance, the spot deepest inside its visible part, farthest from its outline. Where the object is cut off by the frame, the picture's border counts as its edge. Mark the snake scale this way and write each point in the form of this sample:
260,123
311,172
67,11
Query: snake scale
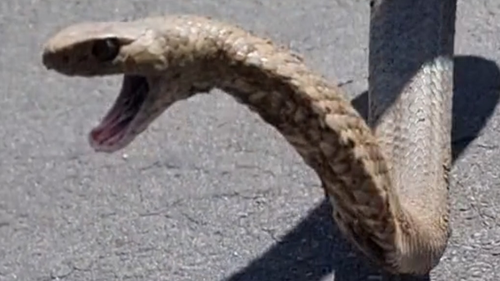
387,178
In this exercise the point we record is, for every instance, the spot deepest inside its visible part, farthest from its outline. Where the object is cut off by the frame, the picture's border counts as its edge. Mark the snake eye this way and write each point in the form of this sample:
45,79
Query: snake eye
106,50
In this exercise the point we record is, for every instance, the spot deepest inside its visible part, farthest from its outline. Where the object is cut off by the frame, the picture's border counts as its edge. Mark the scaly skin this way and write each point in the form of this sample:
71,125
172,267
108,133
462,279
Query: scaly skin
181,56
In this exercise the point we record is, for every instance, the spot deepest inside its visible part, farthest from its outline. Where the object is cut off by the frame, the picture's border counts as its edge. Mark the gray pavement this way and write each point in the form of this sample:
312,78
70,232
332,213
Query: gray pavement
210,192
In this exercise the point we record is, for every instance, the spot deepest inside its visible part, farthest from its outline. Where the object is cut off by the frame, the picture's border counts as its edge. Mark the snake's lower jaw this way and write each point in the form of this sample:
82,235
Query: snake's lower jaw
120,124
99,147
111,145
121,140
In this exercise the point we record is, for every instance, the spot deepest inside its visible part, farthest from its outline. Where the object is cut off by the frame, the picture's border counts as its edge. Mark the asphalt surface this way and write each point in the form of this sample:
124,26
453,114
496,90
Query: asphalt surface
210,192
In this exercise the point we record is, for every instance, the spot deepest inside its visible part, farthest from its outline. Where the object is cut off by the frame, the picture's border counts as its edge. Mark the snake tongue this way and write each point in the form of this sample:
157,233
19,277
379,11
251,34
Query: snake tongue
116,123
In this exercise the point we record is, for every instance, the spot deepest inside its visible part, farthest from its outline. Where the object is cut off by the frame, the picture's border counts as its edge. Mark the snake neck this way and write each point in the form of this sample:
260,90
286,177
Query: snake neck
316,119
326,131
333,139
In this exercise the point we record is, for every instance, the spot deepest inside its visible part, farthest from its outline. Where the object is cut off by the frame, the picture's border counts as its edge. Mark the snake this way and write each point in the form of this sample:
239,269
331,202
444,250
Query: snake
387,177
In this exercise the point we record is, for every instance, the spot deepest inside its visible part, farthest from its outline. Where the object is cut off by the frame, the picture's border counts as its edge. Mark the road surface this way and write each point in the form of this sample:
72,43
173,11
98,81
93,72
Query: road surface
210,192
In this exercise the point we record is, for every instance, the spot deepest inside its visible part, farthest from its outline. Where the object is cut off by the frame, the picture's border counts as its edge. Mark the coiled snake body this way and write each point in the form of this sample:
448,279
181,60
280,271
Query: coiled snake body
388,184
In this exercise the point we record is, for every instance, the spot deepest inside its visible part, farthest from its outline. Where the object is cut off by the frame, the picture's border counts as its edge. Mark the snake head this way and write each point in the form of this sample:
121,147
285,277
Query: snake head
132,50
105,48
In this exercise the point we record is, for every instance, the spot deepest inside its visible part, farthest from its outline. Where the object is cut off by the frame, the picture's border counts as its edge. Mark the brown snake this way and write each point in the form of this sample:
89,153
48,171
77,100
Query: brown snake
388,183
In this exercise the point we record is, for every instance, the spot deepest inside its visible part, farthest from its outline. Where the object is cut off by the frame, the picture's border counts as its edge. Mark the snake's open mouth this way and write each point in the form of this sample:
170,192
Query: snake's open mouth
111,133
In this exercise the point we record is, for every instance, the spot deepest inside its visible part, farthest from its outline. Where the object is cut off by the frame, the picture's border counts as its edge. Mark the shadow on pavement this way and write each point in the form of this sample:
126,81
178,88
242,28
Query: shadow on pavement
315,247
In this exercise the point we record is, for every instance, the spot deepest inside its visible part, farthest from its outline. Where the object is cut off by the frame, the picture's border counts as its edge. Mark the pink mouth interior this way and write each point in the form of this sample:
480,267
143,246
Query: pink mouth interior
109,128
115,125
